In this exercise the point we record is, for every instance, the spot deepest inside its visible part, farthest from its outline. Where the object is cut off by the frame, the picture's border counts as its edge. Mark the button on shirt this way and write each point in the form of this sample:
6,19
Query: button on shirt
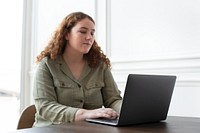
58,95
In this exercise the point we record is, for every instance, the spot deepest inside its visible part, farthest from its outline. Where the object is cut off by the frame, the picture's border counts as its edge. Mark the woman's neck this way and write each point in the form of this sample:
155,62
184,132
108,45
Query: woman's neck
75,62
72,56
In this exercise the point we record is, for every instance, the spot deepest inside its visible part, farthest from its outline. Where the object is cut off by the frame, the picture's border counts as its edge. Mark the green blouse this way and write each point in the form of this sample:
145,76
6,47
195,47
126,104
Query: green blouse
58,95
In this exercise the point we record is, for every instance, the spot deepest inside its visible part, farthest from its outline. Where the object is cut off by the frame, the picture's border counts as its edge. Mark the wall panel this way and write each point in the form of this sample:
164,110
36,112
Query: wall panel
158,37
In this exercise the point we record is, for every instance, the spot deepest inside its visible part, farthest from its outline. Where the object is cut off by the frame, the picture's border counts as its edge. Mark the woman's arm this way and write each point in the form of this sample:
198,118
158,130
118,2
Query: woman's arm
111,93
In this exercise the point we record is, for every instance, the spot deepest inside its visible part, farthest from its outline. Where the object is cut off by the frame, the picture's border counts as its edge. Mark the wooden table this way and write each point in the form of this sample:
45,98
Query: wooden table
171,125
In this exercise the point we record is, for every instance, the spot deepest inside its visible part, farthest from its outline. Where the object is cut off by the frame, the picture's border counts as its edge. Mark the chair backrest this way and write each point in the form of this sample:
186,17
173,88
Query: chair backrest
27,117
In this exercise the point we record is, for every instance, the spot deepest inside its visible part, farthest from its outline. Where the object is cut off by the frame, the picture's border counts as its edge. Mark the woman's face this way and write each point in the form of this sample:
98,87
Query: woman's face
81,37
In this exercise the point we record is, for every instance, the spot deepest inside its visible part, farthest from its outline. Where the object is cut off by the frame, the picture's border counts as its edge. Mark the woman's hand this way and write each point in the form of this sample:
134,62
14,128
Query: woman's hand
83,114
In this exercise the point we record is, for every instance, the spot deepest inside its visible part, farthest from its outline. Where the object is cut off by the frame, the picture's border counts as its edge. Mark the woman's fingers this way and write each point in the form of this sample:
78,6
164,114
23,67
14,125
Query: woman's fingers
107,113
83,114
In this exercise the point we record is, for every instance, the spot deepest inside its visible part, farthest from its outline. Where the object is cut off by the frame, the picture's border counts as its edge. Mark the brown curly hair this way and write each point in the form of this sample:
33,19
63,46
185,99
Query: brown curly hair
57,42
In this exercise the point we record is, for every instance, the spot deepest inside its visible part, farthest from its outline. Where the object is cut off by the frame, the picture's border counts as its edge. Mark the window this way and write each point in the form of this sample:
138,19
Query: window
10,56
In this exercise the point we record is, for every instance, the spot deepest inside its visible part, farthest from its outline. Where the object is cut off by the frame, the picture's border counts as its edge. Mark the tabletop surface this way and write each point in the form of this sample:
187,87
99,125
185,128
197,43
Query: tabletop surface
171,125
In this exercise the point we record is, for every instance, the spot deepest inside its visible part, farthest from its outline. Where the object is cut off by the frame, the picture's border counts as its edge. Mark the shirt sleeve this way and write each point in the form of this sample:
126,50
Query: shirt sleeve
111,93
48,109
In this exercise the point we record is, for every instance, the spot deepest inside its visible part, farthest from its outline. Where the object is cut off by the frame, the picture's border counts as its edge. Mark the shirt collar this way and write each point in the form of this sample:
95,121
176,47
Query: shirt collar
65,69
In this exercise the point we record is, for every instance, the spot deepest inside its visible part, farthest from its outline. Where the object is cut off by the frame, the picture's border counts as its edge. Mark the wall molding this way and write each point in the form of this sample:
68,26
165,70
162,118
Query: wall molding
187,69
157,63
184,55
108,28
28,45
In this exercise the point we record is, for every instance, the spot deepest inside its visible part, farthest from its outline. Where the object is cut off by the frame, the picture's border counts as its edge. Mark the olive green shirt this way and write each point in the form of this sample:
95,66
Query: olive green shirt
58,95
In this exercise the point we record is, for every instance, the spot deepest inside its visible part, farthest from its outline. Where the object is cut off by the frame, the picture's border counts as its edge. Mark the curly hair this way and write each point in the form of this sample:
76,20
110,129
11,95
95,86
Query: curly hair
57,42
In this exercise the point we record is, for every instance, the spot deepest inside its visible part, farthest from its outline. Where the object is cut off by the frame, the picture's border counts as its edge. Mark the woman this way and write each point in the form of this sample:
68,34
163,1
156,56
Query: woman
73,79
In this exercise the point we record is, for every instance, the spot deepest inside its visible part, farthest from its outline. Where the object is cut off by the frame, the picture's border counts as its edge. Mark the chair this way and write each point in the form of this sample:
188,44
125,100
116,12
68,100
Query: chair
27,117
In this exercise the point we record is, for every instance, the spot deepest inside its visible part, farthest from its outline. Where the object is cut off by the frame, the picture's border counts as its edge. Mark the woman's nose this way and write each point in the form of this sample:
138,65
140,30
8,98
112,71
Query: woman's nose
89,36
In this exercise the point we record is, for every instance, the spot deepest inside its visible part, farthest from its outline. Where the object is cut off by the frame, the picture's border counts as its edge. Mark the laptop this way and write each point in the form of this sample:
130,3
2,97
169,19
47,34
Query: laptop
146,99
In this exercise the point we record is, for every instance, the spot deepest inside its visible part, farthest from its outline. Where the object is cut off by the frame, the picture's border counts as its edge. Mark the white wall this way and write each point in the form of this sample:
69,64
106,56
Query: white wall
51,14
159,37
139,36
151,28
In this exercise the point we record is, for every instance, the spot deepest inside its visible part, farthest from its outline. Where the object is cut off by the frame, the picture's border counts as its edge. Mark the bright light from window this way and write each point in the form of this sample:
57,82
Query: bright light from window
10,57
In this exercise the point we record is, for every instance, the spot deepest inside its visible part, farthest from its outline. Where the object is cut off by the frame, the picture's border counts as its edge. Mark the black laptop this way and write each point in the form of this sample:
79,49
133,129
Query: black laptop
146,100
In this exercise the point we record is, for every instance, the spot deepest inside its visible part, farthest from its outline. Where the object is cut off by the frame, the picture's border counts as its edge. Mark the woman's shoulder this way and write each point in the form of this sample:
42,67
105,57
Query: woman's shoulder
103,65
44,60
47,61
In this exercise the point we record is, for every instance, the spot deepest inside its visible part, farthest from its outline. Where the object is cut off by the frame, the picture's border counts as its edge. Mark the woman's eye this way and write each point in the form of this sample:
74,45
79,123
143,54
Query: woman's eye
83,32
